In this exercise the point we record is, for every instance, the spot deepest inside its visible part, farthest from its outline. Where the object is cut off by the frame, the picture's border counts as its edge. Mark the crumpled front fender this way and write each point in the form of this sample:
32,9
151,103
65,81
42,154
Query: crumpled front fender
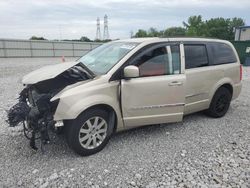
76,100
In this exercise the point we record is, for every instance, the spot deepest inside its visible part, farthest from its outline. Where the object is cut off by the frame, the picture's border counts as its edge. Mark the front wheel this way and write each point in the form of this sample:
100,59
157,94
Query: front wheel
89,132
220,103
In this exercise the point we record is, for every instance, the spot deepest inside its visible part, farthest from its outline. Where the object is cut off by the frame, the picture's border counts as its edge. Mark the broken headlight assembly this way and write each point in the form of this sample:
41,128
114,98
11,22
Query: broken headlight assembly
35,112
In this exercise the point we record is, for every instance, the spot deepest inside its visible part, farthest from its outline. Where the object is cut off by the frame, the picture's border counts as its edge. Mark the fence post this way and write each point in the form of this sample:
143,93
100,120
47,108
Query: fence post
53,48
31,52
4,49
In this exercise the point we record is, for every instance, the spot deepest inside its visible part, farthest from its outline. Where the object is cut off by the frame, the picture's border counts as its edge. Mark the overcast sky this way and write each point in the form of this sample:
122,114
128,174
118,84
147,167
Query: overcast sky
71,19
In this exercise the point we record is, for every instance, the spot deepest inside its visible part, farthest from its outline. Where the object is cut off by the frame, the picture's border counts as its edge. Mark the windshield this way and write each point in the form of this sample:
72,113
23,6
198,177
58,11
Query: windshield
103,58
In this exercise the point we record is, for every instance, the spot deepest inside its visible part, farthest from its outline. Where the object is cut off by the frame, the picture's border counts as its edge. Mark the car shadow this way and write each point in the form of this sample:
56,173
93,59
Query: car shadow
58,147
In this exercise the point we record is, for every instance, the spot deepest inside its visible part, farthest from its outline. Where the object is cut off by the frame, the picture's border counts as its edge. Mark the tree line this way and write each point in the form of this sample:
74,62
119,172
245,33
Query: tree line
221,28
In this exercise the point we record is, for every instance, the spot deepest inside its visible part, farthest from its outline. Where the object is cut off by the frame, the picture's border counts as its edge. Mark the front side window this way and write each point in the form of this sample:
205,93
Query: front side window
195,56
103,58
164,60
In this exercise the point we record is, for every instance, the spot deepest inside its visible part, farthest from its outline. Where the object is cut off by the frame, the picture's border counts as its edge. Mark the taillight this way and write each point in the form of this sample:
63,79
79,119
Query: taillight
240,72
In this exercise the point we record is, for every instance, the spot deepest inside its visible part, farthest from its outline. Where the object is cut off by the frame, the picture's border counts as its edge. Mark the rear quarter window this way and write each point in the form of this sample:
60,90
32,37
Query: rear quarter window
222,54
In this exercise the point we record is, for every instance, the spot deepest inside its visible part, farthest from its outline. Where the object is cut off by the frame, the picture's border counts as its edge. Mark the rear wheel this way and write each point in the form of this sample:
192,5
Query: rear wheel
220,103
89,132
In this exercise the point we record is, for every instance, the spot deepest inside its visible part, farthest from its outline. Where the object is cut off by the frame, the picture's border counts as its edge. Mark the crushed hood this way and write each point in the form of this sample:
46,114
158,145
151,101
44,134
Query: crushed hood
47,72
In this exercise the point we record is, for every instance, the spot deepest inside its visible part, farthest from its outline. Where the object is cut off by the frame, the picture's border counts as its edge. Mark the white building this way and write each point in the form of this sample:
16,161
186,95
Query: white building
242,33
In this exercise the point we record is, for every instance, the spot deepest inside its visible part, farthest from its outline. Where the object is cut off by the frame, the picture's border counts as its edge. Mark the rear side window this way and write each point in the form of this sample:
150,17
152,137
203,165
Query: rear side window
195,56
222,53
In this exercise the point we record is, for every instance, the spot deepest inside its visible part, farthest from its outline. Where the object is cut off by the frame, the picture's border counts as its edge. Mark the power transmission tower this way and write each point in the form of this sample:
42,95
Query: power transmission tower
106,29
98,30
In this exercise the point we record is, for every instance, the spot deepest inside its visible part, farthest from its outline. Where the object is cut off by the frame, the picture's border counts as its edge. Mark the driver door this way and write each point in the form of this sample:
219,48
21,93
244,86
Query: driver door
158,94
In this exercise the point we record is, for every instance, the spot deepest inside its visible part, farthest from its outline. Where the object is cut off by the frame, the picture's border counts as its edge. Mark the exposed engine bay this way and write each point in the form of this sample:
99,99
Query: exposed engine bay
34,110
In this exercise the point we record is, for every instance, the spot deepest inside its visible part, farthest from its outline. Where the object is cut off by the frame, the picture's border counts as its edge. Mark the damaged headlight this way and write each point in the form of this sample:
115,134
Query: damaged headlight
35,111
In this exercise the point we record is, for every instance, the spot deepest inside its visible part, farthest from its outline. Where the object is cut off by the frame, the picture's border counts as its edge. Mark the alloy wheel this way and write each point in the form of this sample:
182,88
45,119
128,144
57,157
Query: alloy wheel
221,103
93,132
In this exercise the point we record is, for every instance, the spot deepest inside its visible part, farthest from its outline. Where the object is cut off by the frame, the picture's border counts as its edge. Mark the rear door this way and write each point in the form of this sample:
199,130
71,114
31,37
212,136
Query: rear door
158,94
200,77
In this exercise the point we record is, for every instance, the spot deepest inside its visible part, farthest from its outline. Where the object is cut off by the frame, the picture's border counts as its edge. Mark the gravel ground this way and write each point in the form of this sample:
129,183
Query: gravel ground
199,152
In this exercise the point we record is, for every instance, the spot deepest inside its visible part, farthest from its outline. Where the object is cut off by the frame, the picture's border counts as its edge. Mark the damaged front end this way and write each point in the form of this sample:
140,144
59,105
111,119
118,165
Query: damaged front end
34,110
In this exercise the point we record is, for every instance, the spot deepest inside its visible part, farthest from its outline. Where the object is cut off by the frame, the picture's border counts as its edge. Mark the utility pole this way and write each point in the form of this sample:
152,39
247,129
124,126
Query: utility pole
98,31
106,29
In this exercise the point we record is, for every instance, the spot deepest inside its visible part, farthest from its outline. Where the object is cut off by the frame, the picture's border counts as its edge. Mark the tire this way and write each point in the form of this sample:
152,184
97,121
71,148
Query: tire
220,103
89,132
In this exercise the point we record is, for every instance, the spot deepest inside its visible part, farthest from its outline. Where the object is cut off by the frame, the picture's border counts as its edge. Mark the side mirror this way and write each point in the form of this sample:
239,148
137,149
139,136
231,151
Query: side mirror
131,71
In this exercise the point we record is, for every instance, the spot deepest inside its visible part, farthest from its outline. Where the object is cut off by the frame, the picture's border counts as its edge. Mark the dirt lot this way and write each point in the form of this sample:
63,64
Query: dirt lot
199,152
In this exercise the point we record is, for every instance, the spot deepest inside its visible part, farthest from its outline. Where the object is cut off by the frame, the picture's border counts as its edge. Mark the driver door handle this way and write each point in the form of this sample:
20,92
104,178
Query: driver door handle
175,83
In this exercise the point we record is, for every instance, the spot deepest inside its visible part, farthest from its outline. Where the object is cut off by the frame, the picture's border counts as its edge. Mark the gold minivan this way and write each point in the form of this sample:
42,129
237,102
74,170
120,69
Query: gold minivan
127,83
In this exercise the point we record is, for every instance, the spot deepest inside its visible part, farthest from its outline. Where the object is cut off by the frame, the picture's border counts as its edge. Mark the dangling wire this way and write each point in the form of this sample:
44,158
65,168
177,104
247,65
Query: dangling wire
28,132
